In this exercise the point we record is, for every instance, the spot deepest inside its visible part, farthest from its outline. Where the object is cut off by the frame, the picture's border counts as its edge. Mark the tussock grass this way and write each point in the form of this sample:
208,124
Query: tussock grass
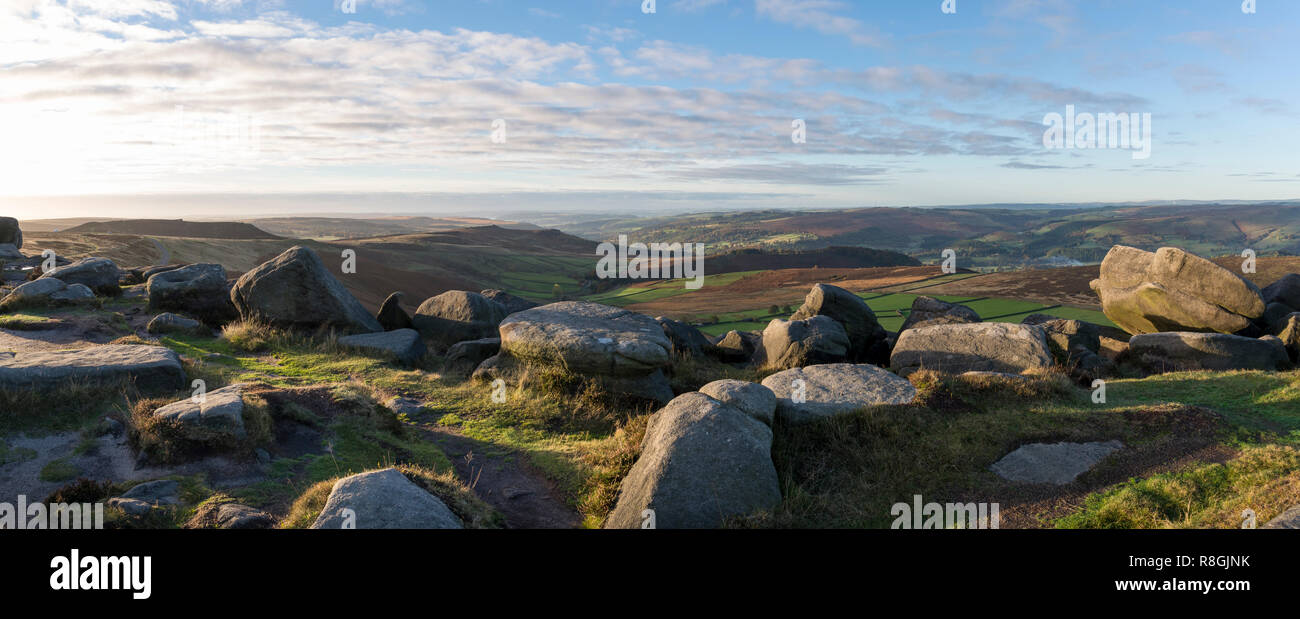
1264,478
68,405
164,441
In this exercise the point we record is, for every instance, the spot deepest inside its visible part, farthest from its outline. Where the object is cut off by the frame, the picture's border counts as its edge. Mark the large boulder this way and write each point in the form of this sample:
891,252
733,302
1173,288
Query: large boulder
391,316
464,357
404,346
295,290
702,461
45,292
1181,351
867,339
796,343
1075,344
1289,334
753,399
218,417
98,274
927,311
151,369
509,301
384,499
737,346
8,251
587,338
687,340
197,290
458,316
817,391
1285,291
974,347
1172,290
10,233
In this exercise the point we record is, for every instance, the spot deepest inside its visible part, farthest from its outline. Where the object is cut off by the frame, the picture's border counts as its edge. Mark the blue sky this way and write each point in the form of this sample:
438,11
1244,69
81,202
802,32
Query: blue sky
605,106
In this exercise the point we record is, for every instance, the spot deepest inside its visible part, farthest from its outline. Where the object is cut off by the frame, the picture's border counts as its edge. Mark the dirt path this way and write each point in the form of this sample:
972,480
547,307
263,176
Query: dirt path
502,479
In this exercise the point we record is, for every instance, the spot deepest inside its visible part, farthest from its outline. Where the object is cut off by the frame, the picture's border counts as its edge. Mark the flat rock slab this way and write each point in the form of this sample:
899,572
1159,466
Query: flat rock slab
384,499
1052,463
151,368
804,394
1289,519
220,414
405,345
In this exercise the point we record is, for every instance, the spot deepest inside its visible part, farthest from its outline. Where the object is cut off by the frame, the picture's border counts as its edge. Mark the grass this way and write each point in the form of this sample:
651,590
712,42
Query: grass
1264,479
847,471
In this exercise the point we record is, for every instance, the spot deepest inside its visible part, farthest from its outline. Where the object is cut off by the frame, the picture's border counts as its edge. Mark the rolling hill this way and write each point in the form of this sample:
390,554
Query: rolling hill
174,227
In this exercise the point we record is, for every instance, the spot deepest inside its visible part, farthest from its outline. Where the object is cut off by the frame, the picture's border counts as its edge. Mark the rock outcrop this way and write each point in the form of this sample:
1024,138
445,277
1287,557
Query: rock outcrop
405,346
295,290
867,339
384,499
510,302
151,369
796,343
702,461
686,340
10,233
391,316
974,347
1184,351
100,275
458,316
928,311
1285,291
197,290
817,391
1173,290
626,350
218,417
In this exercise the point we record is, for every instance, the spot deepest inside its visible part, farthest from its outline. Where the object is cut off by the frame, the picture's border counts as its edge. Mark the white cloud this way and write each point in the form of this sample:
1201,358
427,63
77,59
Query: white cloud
819,15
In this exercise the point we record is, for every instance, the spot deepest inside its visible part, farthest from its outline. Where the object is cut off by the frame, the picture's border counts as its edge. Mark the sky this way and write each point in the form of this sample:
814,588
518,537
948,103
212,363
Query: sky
608,105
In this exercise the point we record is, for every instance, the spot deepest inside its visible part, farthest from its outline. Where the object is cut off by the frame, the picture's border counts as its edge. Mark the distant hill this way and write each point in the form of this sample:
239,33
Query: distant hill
985,237
174,227
827,258
335,228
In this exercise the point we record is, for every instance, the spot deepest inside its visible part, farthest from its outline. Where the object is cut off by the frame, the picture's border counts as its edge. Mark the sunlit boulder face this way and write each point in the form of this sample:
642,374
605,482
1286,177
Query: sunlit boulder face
702,461
625,351
795,343
295,290
1173,290
867,339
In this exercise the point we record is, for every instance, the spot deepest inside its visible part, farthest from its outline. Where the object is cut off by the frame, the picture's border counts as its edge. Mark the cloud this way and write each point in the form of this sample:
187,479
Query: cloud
821,16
